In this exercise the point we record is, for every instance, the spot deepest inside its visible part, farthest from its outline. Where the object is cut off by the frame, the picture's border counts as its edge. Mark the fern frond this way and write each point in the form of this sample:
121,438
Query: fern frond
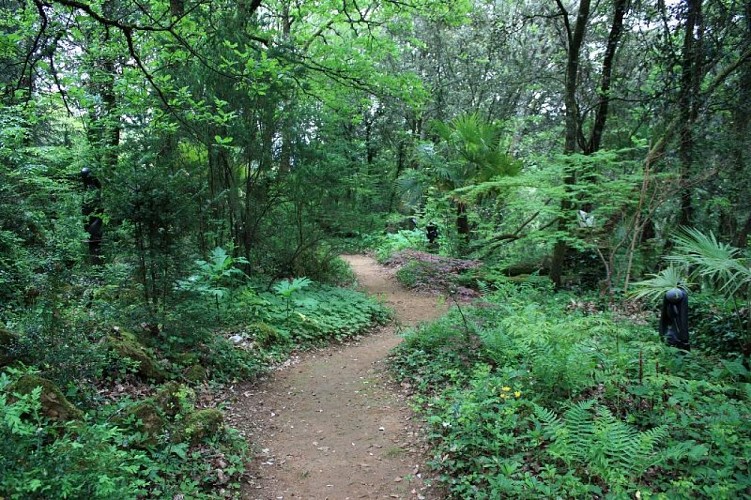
600,442
499,344
579,420
547,417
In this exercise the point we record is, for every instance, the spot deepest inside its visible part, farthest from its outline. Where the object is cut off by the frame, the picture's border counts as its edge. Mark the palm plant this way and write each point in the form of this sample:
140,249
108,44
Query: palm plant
722,266
700,256
476,151
654,288
470,150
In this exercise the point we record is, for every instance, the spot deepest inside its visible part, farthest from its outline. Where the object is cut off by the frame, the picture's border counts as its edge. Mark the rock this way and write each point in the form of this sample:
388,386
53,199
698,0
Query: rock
200,425
266,335
195,373
54,404
148,420
173,397
8,340
127,346
221,477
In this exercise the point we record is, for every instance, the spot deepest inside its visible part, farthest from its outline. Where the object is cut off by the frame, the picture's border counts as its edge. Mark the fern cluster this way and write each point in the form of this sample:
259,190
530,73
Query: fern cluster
590,439
528,399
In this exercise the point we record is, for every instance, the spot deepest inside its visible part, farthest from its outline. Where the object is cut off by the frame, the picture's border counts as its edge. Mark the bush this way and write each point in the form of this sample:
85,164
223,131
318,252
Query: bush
128,450
387,244
716,326
76,459
61,347
321,264
528,398
320,313
227,362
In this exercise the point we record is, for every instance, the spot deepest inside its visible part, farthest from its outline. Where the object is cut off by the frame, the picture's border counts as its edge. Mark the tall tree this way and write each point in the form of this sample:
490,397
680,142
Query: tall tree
692,74
575,140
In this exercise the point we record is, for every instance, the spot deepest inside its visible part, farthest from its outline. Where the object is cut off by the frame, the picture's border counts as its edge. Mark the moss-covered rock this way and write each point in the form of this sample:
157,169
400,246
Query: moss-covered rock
8,340
147,419
266,335
195,373
173,397
186,358
127,346
54,404
200,425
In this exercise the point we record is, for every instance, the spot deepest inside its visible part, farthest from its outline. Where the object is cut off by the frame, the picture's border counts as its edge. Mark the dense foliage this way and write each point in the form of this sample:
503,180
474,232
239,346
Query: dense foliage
530,394
177,179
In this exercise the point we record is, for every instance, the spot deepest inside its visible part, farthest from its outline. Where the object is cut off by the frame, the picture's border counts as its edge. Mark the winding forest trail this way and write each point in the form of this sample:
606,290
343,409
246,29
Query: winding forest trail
331,426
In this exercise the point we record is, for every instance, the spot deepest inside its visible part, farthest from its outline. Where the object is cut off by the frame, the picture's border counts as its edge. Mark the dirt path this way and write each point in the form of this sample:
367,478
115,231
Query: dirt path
329,426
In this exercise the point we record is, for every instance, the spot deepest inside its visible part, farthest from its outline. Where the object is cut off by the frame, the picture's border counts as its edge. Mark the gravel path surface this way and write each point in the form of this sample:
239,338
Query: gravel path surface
330,424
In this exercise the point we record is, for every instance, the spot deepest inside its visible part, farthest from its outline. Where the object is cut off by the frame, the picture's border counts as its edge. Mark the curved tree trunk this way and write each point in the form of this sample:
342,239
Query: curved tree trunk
574,134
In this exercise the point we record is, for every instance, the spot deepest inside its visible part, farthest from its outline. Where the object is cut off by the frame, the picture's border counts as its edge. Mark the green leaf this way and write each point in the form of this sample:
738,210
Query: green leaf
654,288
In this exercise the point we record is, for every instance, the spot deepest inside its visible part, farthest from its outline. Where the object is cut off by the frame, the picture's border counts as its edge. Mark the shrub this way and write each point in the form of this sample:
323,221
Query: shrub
527,398
76,459
388,244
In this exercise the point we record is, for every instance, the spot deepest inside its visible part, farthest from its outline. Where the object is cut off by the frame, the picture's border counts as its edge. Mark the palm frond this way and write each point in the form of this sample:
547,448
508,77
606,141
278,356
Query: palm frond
443,130
694,247
719,263
654,288
412,185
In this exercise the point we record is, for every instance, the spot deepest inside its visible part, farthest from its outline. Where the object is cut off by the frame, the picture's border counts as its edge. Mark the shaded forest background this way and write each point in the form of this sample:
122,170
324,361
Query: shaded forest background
272,128
237,144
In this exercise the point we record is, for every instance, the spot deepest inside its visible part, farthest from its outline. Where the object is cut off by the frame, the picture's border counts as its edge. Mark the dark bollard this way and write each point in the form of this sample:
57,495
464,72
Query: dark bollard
431,231
674,319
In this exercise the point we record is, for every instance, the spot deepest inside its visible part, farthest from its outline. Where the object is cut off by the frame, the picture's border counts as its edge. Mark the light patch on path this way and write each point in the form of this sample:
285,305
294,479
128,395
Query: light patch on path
331,426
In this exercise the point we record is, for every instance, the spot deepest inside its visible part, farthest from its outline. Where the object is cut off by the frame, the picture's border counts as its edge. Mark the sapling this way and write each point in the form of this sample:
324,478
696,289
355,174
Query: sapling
287,288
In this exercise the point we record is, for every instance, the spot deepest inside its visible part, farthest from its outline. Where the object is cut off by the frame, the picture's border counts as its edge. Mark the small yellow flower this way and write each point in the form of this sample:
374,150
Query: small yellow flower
506,388
504,396
518,394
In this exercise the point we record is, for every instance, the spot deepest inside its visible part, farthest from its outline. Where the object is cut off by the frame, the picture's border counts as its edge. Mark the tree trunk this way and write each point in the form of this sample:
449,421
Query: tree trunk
688,103
575,39
616,30
742,127
285,154
462,221
400,165
574,134
177,7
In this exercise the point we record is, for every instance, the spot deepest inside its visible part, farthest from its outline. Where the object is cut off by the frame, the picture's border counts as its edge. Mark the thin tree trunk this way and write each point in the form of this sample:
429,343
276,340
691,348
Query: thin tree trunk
688,103
399,168
616,30
574,135
462,221
742,127
575,38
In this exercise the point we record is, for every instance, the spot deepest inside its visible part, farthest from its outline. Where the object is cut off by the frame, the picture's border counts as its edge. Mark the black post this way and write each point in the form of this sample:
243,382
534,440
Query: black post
674,319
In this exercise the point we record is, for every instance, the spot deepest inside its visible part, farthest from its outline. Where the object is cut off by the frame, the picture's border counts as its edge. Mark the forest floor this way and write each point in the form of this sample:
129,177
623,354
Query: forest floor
330,424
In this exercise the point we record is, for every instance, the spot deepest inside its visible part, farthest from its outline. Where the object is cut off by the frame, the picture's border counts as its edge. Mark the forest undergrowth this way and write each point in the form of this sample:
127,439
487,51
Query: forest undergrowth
531,393
177,180
97,402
